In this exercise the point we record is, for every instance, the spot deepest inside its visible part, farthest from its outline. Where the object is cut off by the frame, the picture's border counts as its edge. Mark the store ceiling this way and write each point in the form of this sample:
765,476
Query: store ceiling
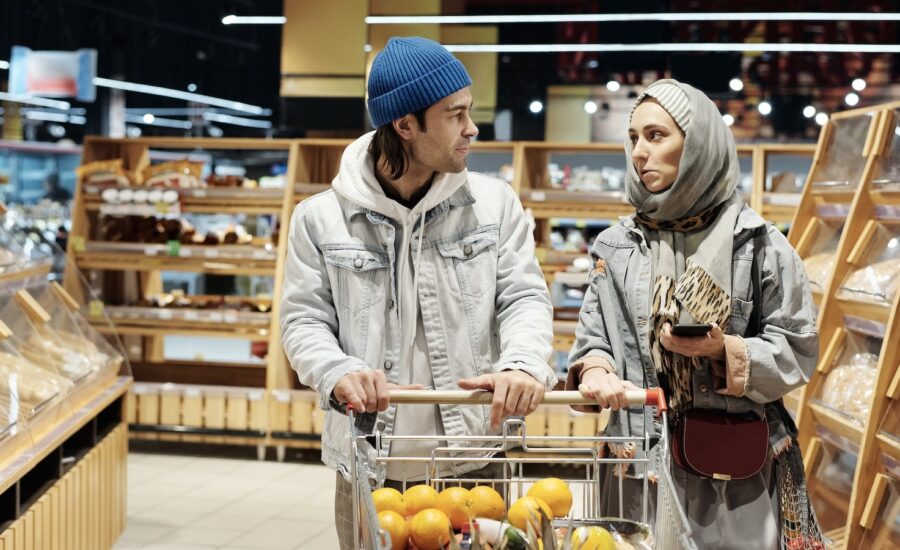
176,43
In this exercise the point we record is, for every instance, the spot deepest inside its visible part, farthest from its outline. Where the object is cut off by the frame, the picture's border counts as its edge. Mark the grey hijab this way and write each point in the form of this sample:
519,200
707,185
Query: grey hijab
691,261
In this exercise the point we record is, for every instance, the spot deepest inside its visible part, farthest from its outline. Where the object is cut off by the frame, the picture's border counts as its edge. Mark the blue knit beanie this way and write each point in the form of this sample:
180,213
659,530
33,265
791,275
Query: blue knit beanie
411,74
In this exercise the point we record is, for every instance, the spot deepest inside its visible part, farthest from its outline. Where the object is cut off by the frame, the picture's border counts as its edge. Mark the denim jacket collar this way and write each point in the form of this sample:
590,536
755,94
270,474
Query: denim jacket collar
462,197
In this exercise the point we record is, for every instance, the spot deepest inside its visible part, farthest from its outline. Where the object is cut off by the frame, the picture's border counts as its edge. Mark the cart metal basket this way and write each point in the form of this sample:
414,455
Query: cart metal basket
668,530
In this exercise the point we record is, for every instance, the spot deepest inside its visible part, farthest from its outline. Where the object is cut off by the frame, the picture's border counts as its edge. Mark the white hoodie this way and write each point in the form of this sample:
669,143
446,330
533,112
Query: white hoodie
357,183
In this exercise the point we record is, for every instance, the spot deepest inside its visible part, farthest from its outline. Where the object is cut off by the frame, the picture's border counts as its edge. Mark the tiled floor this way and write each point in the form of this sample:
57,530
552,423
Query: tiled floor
182,502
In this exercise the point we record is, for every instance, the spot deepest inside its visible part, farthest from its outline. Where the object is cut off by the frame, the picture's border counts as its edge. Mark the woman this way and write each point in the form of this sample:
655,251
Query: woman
694,253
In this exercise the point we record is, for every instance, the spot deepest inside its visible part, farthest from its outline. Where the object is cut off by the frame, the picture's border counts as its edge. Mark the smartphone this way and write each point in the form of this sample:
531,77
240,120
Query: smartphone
691,330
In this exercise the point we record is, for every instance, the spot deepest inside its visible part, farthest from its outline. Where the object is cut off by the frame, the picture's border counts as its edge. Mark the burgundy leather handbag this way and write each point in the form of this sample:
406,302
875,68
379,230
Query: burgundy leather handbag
718,445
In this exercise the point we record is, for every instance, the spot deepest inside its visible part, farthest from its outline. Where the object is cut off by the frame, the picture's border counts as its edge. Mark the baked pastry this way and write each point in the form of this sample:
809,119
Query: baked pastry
849,388
818,269
878,282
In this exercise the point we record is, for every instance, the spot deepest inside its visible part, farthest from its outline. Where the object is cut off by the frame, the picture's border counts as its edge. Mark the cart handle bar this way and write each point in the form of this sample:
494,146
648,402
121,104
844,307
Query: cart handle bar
653,397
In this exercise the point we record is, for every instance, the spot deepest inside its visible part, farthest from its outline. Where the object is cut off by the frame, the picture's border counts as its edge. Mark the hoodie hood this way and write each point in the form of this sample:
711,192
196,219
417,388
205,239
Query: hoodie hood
357,183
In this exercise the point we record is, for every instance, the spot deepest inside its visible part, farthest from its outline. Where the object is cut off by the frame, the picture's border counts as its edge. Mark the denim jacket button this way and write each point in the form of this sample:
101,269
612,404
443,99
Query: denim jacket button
467,250
358,263
391,304
703,388
388,365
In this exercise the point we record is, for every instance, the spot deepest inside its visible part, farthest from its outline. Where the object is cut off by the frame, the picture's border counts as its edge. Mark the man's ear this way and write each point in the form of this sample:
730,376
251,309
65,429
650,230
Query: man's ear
404,126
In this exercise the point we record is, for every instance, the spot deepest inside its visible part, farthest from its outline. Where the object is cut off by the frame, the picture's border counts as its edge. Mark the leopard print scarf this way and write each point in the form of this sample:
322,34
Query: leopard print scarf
692,285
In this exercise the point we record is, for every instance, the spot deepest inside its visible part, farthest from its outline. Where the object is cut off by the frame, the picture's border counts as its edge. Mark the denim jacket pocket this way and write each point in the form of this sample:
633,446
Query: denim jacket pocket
474,259
359,276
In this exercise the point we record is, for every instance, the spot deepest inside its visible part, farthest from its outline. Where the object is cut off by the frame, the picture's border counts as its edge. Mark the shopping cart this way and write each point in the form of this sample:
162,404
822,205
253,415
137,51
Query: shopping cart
669,529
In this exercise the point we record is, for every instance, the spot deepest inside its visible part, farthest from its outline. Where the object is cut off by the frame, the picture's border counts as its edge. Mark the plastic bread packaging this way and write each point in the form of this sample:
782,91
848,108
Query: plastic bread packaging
42,348
818,269
850,387
879,281
103,172
31,384
180,173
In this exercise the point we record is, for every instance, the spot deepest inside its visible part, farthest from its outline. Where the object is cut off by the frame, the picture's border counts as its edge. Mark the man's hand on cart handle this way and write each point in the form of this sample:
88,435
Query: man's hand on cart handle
367,390
516,393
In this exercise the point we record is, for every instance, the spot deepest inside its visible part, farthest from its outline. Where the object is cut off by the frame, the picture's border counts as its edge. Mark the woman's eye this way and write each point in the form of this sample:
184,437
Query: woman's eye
633,139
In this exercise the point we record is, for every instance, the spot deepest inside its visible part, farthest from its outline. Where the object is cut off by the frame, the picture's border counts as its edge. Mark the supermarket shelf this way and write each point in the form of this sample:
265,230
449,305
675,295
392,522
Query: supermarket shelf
39,270
889,445
208,200
880,313
181,322
836,423
551,203
838,538
223,259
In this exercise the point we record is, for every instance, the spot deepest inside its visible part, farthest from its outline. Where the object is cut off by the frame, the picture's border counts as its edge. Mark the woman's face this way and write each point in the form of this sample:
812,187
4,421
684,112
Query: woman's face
657,143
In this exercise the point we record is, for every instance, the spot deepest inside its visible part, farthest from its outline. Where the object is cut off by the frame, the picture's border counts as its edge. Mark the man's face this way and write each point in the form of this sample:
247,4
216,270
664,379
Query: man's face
444,143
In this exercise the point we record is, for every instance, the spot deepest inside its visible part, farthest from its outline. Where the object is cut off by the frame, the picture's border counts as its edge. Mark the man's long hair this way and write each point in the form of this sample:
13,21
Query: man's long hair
388,145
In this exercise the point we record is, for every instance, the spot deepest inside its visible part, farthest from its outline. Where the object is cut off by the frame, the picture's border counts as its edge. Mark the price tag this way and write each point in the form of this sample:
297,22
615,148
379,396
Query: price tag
186,253
78,243
200,193
198,357
151,251
165,314
192,393
216,317
260,254
95,308
282,396
231,317
191,316
173,248
580,224
162,207
211,253
538,196
91,189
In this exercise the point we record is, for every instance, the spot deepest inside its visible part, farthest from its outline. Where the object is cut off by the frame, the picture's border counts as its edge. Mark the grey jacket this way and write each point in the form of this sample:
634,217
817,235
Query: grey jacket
614,322
484,301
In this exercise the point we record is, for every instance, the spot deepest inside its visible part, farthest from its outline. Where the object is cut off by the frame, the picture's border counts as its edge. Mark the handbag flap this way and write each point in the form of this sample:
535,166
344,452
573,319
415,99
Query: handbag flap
724,446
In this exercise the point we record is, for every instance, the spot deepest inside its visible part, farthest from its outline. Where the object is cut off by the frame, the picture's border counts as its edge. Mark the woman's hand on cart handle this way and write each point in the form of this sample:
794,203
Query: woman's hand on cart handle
606,389
516,393
367,390
649,398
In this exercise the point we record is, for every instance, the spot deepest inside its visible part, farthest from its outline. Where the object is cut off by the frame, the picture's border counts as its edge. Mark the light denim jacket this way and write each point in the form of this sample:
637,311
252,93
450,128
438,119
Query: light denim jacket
483,298
614,322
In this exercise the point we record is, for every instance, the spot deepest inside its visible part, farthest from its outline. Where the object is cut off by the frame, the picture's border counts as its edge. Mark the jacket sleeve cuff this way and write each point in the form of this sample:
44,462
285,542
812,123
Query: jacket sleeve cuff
325,388
737,366
573,379
543,374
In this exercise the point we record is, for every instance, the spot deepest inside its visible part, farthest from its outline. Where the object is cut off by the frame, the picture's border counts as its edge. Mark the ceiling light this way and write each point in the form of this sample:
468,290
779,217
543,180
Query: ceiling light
56,131
133,131
192,87
676,47
736,84
535,106
215,131
593,64
4,64
33,100
764,108
729,120
157,121
620,17
236,120
54,117
367,48
590,107
809,111
851,99
821,119
177,94
613,86
180,111
254,20
859,84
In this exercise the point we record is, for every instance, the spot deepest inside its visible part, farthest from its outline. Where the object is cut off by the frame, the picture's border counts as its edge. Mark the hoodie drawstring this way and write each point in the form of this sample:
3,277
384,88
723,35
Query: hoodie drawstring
415,293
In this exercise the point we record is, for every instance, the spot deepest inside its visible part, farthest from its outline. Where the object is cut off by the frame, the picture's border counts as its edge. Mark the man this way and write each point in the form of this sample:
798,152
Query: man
412,272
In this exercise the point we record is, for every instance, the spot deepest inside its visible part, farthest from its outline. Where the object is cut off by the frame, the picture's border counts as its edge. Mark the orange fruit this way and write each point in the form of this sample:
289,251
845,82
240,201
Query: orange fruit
528,510
593,538
419,497
485,502
389,499
395,524
429,529
556,493
454,501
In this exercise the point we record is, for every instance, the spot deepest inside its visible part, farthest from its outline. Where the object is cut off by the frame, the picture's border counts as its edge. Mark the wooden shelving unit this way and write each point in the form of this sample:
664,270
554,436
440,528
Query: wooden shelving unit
192,400
855,149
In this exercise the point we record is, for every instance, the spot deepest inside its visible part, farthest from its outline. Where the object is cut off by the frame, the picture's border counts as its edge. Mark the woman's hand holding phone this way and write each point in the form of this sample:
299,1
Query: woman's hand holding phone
711,344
